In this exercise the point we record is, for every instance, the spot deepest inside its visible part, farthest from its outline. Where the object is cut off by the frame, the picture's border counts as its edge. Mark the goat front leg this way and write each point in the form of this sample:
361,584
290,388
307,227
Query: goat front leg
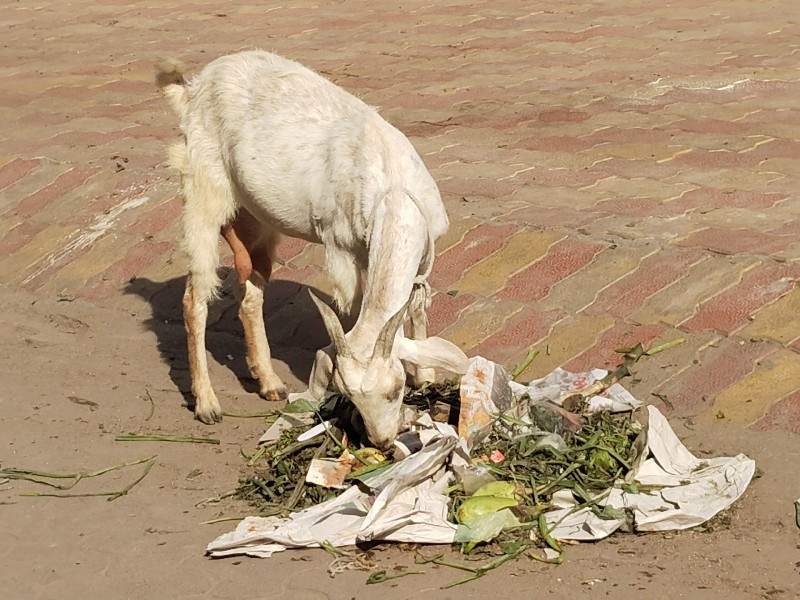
253,249
418,311
195,314
259,358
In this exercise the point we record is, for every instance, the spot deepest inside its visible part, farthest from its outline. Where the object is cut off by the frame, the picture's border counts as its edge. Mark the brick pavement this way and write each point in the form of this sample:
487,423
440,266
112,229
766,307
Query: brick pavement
615,172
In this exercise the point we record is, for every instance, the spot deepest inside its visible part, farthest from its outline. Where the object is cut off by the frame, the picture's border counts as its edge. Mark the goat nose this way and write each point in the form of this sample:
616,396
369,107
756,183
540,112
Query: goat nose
384,444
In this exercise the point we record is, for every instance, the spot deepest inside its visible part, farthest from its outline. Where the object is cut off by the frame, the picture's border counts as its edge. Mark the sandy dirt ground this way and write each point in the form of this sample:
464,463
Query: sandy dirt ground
74,375
615,172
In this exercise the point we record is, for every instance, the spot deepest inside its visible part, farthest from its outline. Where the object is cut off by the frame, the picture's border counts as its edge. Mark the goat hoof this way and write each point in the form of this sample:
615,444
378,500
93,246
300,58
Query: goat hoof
209,417
276,395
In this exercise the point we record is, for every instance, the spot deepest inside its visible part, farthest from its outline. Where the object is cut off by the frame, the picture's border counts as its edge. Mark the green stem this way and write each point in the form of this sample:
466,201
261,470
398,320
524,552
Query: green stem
546,537
262,415
111,495
523,366
157,437
221,520
665,346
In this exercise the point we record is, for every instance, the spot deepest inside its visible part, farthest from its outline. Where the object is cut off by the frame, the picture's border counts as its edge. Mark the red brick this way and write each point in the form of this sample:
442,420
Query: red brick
12,100
558,177
80,138
136,260
16,170
717,369
46,273
737,241
128,86
520,332
654,273
19,236
446,309
784,415
289,247
68,92
477,244
569,36
563,115
638,168
703,159
547,217
148,131
64,183
634,135
158,218
637,207
128,186
289,273
705,198
729,311
792,228
563,259
603,354
776,149
487,188
555,144
710,126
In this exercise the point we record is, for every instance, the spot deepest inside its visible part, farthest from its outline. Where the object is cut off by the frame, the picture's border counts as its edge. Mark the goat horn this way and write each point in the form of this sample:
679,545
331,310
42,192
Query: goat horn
385,342
333,325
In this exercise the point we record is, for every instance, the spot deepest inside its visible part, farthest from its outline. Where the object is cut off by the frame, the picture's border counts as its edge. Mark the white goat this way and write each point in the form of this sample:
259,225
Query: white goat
272,148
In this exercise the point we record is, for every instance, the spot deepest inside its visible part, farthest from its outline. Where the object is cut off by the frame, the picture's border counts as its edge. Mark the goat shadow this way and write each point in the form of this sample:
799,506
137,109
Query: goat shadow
294,327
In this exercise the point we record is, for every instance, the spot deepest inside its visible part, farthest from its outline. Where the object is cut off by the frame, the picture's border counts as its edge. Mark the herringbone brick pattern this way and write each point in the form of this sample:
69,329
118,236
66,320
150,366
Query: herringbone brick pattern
615,172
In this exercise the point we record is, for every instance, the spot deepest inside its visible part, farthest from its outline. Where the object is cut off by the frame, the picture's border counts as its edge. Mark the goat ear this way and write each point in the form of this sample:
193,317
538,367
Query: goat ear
333,325
433,352
321,373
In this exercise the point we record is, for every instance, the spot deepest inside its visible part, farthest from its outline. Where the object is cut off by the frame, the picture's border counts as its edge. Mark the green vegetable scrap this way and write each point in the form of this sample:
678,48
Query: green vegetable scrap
595,457
277,483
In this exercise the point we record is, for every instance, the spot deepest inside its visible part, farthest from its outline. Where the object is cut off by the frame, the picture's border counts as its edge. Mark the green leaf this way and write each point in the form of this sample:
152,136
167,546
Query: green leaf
301,405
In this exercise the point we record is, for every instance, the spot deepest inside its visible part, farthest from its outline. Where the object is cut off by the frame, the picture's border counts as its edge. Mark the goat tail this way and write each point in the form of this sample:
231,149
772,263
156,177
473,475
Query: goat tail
171,81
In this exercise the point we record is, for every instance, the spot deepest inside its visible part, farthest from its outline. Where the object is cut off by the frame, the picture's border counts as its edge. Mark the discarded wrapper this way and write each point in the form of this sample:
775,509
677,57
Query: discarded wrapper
330,472
484,393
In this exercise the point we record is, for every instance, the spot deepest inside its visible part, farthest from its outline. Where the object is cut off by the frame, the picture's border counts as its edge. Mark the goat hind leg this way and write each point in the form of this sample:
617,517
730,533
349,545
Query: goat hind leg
259,357
195,310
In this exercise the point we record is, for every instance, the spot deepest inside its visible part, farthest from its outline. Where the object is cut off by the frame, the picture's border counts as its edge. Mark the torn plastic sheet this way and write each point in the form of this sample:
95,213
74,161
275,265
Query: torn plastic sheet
560,384
678,490
406,502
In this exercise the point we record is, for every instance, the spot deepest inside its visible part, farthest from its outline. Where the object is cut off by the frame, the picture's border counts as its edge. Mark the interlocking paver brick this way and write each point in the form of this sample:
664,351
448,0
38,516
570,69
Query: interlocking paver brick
730,310
16,169
568,339
653,274
748,399
556,263
783,415
604,353
704,280
718,366
779,322
479,322
491,274
596,160
474,246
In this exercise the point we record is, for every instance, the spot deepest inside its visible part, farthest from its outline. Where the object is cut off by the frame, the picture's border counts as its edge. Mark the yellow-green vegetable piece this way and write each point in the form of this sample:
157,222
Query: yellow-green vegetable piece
498,489
478,506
